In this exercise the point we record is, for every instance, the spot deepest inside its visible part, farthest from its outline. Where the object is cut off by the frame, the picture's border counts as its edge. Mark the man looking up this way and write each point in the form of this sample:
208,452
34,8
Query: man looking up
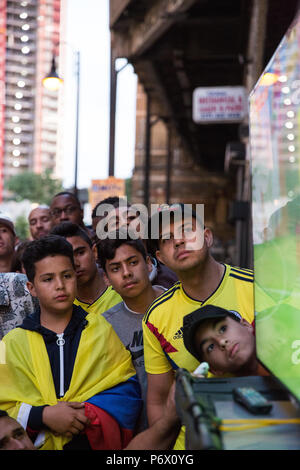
7,243
184,246
12,435
65,207
40,222
127,268
93,295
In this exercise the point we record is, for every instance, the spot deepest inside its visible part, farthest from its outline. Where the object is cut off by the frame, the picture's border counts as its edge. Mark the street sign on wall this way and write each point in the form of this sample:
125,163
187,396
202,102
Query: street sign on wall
219,104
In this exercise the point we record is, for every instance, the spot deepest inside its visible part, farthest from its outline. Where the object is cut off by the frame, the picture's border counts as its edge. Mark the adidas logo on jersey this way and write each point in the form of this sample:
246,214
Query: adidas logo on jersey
178,334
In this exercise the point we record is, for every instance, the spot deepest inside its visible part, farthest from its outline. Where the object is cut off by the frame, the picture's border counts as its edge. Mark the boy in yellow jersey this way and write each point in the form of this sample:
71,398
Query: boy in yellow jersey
93,295
202,280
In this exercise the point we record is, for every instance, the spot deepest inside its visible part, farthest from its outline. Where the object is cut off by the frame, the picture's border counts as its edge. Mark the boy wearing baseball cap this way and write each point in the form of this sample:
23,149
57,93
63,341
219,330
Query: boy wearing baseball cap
223,339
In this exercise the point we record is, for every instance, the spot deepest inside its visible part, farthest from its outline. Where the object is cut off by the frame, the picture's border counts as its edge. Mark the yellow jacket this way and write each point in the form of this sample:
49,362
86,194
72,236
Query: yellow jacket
26,378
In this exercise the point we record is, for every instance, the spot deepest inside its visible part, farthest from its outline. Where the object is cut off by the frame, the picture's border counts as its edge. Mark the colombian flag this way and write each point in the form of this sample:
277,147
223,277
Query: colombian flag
113,414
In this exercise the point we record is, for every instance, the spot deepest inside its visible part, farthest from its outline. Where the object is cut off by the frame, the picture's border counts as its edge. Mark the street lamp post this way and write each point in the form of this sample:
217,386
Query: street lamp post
112,122
113,98
77,120
52,82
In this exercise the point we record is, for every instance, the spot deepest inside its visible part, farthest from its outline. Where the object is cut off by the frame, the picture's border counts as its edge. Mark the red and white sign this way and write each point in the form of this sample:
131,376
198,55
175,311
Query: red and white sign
219,104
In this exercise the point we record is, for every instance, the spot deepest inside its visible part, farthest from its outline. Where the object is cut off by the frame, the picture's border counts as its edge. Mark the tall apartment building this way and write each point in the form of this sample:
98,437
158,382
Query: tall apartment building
30,115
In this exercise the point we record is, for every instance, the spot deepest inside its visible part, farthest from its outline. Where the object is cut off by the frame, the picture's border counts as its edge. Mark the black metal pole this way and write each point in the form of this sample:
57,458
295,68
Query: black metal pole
147,151
77,120
169,165
113,93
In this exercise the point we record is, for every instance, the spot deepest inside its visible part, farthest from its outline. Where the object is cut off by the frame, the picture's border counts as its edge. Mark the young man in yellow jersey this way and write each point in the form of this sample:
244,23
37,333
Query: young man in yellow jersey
184,246
93,294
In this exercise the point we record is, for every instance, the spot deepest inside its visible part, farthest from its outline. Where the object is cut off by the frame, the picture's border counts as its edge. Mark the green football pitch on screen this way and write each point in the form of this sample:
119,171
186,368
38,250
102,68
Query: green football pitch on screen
274,118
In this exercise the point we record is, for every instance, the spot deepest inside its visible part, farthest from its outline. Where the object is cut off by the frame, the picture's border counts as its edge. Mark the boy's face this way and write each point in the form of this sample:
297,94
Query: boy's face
84,259
128,272
226,344
54,284
183,245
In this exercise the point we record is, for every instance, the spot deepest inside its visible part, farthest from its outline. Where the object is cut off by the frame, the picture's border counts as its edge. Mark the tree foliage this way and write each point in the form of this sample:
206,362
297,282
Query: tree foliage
35,187
128,188
22,228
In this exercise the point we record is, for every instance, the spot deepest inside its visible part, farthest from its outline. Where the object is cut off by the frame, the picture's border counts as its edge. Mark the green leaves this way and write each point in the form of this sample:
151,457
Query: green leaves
39,188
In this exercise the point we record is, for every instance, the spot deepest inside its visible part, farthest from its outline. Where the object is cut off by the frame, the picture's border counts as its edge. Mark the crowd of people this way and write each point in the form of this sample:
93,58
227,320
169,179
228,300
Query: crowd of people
93,329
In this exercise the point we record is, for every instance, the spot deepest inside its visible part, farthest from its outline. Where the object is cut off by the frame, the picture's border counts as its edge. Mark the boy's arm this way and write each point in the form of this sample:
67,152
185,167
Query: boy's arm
160,375
162,434
63,418
157,393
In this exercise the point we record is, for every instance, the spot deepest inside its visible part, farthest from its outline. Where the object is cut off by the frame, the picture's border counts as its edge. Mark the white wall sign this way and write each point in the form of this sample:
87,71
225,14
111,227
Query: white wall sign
219,104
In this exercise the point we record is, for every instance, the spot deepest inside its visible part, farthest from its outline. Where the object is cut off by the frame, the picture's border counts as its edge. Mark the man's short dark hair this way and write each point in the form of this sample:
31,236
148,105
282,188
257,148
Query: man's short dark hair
69,229
107,248
37,250
114,201
67,193
3,414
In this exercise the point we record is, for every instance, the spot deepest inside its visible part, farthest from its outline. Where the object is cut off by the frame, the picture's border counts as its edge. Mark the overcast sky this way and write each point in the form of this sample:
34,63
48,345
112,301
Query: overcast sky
88,32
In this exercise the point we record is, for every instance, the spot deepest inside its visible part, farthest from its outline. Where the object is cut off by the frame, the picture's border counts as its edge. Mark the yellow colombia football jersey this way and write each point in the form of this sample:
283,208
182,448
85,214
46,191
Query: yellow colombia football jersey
162,324
108,299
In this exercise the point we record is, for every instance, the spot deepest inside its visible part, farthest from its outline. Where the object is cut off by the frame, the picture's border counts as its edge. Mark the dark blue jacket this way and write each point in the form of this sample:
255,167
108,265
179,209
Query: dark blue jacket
71,339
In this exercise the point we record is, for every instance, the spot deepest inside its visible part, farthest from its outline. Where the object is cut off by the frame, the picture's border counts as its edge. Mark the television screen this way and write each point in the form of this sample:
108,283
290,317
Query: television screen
274,114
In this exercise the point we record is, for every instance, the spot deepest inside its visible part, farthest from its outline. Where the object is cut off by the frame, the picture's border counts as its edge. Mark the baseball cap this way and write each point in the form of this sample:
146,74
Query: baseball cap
7,221
194,319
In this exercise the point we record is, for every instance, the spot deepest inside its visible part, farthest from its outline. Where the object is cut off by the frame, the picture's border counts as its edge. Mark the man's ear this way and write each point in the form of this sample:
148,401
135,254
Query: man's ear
105,278
95,251
246,324
208,237
158,256
31,288
149,264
